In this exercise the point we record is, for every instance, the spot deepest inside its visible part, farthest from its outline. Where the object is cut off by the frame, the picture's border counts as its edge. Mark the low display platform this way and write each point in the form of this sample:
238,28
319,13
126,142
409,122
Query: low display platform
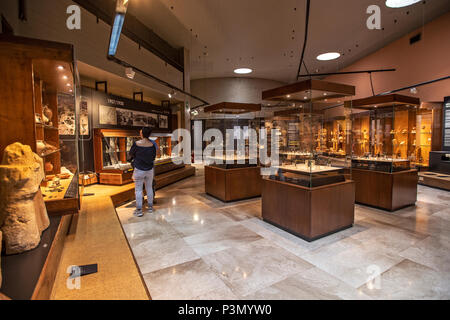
31,274
435,180
232,184
309,213
384,190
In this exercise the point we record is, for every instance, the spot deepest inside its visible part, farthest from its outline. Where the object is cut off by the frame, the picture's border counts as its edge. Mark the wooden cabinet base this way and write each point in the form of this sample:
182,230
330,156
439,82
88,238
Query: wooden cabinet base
309,213
233,184
435,180
116,179
388,191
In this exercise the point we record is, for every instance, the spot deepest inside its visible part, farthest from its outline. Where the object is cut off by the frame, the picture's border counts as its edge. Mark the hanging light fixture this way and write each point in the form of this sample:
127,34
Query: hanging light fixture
121,10
400,3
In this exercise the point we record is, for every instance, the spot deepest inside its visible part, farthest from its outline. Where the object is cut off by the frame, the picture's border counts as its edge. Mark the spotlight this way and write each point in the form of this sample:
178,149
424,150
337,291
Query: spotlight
130,73
171,94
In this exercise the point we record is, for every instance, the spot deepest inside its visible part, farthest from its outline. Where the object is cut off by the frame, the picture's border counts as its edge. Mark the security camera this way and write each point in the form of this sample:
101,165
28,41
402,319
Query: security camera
130,73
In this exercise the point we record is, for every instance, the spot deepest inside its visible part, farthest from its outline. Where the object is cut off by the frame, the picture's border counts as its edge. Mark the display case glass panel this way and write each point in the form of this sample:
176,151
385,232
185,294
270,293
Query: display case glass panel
385,135
232,129
314,145
56,88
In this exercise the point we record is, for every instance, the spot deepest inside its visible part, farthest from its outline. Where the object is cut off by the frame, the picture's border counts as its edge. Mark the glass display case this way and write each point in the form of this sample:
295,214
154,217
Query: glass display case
384,151
232,172
315,145
241,156
111,154
385,135
310,192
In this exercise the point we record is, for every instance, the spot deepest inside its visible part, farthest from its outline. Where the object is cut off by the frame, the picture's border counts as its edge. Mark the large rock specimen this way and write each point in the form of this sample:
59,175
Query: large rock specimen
23,215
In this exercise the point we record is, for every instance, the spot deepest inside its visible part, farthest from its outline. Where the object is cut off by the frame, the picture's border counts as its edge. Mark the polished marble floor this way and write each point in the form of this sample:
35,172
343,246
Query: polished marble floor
196,247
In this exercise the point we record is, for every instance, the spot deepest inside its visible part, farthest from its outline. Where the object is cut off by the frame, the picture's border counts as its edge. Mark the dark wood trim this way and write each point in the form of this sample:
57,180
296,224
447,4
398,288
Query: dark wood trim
233,107
47,278
384,190
233,184
385,101
310,213
281,92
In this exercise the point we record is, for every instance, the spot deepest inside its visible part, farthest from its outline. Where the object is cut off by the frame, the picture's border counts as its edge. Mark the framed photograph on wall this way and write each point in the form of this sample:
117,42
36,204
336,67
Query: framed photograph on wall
152,120
84,117
124,117
140,119
107,115
163,121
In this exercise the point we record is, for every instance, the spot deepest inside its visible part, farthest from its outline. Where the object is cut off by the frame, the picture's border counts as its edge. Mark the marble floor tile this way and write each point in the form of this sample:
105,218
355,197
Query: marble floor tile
155,254
312,284
243,211
150,230
351,261
431,252
385,237
223,293
293,243
183,281
223,238
197,247
248,268
409,280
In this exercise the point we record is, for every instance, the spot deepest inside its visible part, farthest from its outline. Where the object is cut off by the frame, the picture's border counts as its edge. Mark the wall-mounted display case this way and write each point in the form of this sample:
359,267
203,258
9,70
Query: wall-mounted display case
111,155
310,193
41,95
385,137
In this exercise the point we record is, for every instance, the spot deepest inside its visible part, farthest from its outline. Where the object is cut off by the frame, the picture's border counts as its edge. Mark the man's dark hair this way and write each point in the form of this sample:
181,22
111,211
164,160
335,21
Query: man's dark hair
146,132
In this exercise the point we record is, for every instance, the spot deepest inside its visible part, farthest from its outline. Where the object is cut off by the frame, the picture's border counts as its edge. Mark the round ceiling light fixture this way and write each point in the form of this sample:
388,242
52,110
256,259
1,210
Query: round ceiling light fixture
400,3
243,70
328,56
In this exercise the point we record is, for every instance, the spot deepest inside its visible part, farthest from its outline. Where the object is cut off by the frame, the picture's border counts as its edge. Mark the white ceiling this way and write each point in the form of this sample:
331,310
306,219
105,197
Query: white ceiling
267,35
120,85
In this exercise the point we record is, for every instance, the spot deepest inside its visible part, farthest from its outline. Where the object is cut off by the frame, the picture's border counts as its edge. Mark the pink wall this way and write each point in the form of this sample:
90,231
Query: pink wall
425,60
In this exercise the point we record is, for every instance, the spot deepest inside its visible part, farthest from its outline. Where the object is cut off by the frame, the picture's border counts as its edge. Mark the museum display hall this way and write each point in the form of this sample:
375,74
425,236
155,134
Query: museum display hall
224,150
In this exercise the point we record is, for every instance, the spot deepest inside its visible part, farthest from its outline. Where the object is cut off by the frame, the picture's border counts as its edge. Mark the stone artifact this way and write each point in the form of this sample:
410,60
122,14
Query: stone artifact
23,215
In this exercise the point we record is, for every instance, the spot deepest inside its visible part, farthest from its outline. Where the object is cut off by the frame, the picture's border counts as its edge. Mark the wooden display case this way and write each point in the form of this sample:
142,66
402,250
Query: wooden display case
111,157
309,195
384,151
39,87
111,147
233,182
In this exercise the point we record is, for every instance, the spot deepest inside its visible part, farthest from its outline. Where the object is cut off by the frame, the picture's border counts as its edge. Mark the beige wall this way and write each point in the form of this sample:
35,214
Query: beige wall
423,61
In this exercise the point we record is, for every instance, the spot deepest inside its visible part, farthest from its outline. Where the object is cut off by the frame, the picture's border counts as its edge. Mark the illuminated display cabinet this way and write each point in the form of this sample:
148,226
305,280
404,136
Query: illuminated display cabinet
112,162
310,192
385,142
239,177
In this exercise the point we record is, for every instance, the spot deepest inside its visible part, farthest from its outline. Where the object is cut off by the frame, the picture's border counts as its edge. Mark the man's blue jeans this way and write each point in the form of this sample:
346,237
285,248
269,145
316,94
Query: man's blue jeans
140,178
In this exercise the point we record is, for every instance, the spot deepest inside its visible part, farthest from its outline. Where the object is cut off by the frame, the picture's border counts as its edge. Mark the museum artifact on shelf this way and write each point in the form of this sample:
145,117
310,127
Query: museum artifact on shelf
310,193
438,174
23,215
234,176
385,151
40,88
40,84
111,158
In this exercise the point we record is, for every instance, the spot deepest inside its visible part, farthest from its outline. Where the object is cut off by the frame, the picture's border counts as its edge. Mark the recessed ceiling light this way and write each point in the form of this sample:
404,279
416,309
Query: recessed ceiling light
68,84
64,77
60,68
288,96
328,56
243,70
400,3
324,93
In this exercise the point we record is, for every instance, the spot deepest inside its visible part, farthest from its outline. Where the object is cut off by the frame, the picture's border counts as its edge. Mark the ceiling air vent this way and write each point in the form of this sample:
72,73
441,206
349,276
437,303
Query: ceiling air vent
415,39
